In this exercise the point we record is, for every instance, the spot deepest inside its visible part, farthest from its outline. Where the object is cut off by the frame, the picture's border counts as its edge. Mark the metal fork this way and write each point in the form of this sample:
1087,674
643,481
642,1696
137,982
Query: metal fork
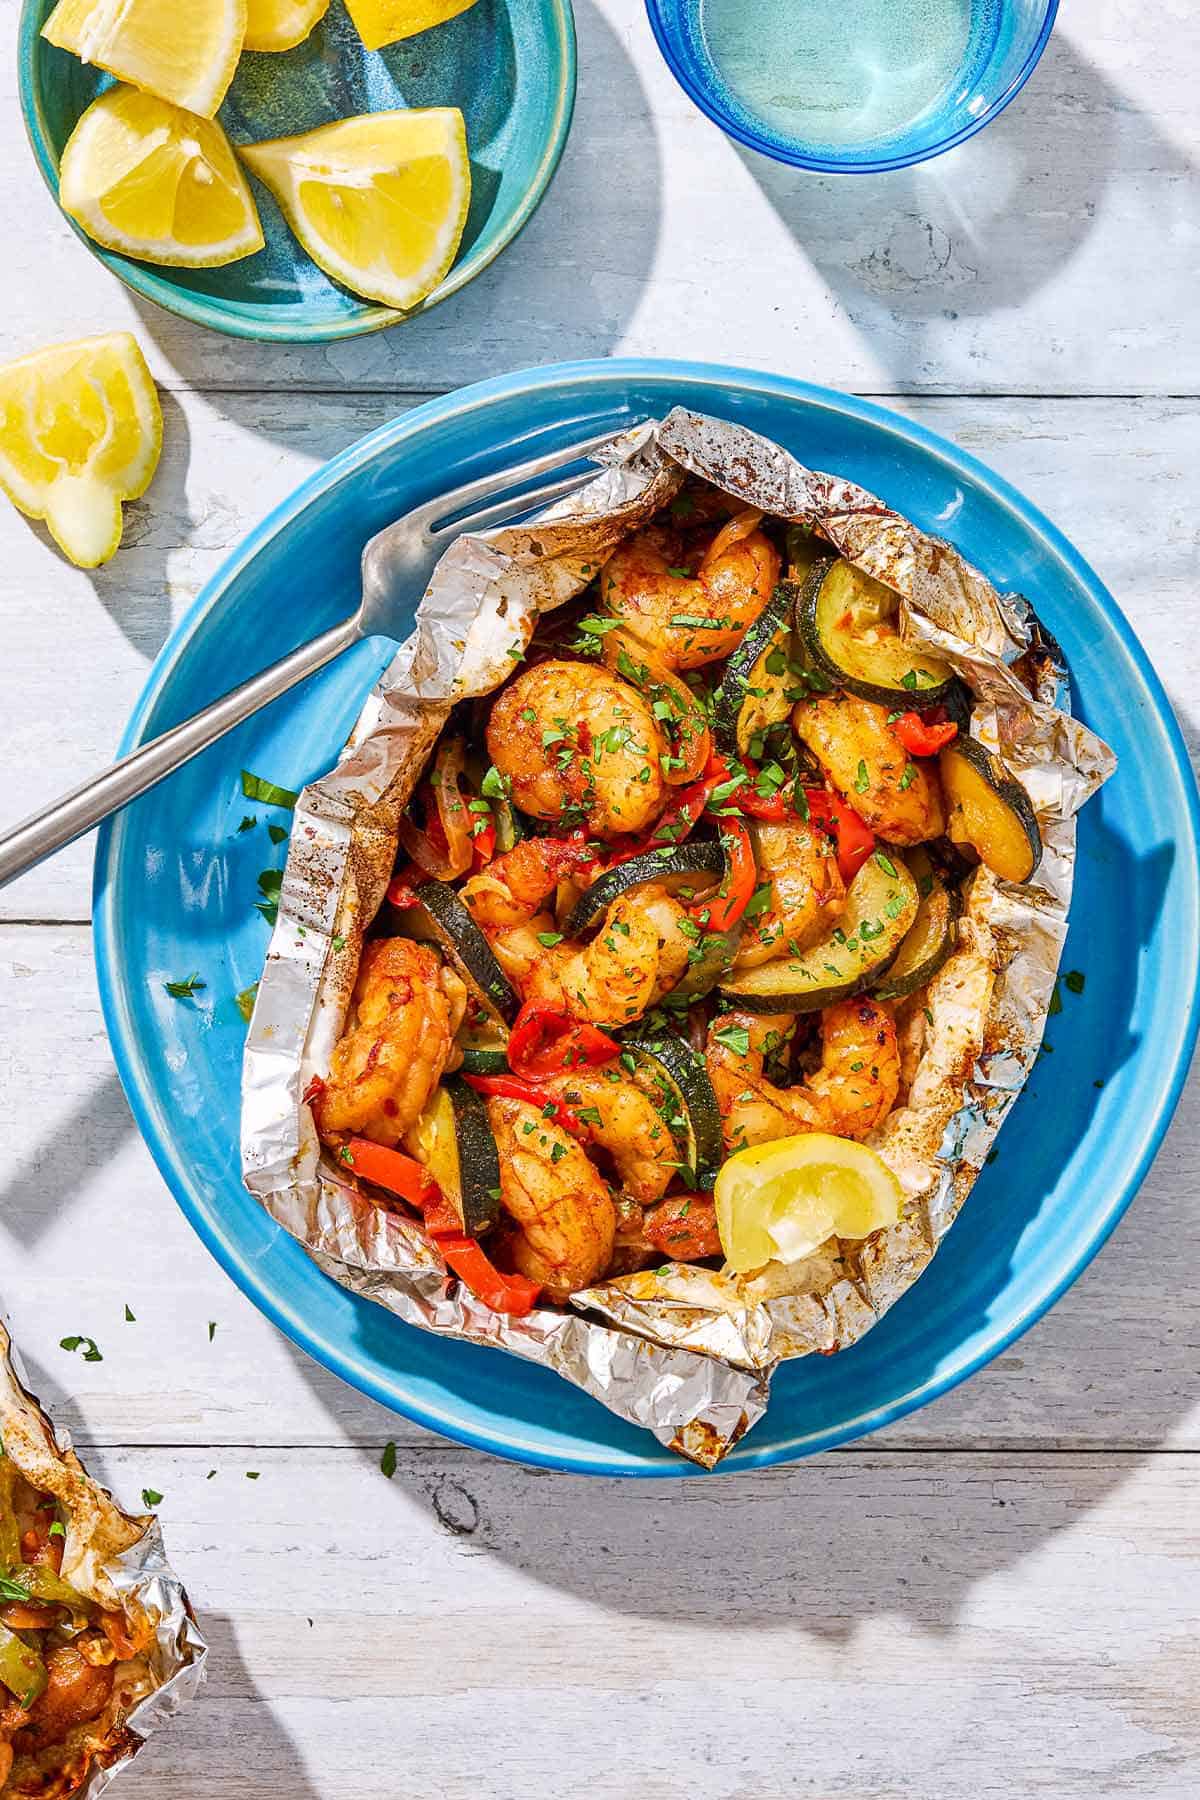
396,566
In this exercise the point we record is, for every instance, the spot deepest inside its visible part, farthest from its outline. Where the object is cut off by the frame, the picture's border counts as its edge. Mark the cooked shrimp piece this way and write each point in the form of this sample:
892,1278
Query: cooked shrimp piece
624,1121
76,1690
691,619
397,1045
851,1093
684,1227
579,744
513,888
807,893
557,1199
900,798
637,956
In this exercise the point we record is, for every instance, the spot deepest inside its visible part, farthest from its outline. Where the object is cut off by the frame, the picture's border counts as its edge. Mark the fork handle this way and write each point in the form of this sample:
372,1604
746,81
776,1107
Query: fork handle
77,812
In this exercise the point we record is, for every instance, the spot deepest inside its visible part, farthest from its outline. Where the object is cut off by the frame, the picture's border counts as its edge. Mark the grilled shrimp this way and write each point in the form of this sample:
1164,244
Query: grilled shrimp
669,610
563,1210
807,893
397,1046
637,956
578,743
849,1095
899,798
76,1691
624,1121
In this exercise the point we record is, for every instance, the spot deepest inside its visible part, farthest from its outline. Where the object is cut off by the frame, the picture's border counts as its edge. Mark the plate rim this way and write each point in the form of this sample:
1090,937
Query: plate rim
147,279
456,404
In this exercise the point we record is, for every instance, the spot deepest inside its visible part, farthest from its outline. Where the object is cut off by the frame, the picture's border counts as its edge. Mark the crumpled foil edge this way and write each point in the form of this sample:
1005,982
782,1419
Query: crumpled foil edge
686,1353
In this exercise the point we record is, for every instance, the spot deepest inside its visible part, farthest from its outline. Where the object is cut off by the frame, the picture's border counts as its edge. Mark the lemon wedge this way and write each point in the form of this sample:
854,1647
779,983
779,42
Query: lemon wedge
80,431
379,202
146,178
185,53
779,1201
281,24
380,22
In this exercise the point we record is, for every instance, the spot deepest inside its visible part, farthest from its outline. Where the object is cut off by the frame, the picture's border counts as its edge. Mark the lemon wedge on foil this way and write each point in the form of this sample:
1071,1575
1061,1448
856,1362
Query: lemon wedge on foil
380,22
183,52
379,201
146,178
281,24
80,431
780,1201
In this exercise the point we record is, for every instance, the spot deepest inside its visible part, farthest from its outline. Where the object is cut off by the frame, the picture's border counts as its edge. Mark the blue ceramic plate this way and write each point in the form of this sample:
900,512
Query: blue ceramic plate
176,884
508,64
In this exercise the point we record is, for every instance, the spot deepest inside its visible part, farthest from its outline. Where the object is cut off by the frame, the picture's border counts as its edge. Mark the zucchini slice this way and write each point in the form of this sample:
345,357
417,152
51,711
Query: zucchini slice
484,1047
458,934
714,954
753,693
931,937
454,1141
689,1101
881,905
989,810
846,624
695,865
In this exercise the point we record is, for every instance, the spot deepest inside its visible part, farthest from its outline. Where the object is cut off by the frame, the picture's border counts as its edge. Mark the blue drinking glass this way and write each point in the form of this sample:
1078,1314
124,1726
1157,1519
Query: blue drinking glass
851,86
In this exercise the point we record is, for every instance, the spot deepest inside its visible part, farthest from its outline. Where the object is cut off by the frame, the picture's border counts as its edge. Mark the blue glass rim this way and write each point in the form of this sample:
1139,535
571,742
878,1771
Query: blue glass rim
334,1356
824,165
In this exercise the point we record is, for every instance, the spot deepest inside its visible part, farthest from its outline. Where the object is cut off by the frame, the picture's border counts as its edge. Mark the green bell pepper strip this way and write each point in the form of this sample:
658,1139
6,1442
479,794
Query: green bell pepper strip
21,1668
38,1581
10,1533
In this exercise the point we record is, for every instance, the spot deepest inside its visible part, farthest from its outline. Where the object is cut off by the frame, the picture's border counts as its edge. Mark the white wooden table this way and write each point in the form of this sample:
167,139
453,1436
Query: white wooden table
997,1597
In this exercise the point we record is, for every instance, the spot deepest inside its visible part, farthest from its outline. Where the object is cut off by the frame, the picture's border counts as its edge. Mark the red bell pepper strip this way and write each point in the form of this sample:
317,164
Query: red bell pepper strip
675,824
442,1217
731,899
390,1169
747,798
546,1042
513,1294
483,846
402,888
511,1087
922,734
854,838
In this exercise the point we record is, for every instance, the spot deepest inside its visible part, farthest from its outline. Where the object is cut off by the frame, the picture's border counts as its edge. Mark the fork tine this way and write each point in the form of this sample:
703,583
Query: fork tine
487,486
514,507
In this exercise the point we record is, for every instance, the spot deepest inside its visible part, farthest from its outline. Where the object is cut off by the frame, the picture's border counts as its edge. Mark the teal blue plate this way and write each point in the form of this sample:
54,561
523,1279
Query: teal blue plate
509,65
177,882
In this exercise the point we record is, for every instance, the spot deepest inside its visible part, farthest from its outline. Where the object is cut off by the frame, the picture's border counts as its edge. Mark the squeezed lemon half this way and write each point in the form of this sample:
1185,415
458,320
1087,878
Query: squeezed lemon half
80,431
146,178
379,202
380,22
778,1202
183,52
281,24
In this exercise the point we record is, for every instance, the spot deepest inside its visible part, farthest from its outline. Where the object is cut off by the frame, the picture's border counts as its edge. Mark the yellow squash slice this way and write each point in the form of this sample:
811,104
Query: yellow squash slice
380,22
146,178
780,1201
182,50
281,24
379,202
80,431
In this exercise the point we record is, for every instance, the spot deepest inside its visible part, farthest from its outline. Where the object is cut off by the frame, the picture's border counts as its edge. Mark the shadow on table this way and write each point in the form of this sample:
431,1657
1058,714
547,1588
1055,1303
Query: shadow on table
548,297
38,1193
981,229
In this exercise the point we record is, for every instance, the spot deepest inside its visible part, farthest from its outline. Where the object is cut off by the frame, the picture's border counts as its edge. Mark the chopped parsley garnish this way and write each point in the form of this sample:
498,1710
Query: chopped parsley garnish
212,1330
130,1318
1074,980
548,939
151,1498
387,1461
252,1474
735,1038
695,622
184,990
268,793
594,626
78,1341
886,864
862,780
276,833
495,785
1055,1006
245,1001
908,777
249,821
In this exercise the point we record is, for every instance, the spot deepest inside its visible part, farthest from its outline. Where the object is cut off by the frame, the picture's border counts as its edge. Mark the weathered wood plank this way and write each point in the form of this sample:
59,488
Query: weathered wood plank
1118,476
1053,253
855,1628
86,1227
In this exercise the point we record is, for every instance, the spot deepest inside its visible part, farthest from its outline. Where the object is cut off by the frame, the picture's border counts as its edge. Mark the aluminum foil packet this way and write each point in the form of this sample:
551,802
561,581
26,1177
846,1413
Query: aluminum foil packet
117,1560
685,1352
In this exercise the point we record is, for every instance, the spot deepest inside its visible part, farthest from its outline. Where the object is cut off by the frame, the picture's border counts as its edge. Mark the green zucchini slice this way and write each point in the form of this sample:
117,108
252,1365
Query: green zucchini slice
689,1101
931,937
881,905
989,810
458,934
695,864
454,1141
484,1047
753,693
846,625
709,958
